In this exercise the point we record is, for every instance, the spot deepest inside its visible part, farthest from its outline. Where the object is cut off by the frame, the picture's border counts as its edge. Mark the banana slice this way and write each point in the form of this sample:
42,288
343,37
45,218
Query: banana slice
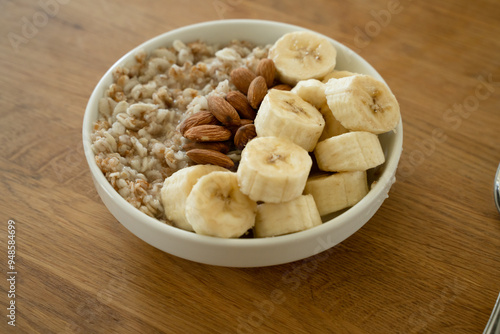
362,103
284,114
296,215
216,206
332,126
302,55
334,192
338,75
273,169
177,188
311,91
352,151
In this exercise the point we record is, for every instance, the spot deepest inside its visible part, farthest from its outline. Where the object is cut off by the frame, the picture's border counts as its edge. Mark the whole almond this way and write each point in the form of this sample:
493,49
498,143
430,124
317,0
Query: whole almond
208,133
211,157
244,134
257,91
221,146
223,110
242,77
200,118
266,69
246,121
282,87
234,128
239,101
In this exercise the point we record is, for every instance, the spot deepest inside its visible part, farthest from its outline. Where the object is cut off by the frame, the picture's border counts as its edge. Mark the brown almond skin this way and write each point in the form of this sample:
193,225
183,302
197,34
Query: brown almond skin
267,70
257,91
204,133
211,157
242,77
282,87
200,118
239,101
221,146
244,134
223,110
246,121
234,129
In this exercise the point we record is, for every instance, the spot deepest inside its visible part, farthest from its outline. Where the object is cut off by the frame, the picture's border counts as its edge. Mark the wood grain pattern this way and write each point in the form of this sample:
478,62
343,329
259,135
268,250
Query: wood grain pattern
428,261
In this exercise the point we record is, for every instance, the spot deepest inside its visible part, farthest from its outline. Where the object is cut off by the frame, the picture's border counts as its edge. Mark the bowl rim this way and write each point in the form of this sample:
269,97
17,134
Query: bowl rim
384,181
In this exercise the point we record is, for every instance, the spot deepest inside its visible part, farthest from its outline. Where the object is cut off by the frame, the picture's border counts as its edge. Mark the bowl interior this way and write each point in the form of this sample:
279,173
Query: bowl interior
214,250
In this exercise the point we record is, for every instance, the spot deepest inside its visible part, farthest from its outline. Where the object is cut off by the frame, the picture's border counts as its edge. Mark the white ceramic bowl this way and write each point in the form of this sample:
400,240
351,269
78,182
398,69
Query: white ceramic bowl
242,252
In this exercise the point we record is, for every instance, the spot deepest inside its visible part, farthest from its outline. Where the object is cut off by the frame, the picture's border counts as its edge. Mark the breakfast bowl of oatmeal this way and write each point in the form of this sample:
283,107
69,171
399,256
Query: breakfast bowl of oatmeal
242,143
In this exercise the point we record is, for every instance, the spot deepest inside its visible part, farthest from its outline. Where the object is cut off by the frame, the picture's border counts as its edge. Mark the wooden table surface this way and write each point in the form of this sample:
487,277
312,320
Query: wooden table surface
427,262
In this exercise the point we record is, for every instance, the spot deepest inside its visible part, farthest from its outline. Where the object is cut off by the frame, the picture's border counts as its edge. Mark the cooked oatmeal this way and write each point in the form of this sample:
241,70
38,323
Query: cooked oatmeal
135,140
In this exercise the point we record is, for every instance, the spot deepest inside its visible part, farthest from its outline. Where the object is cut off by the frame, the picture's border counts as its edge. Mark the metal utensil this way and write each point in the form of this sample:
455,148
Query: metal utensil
493,325
496,190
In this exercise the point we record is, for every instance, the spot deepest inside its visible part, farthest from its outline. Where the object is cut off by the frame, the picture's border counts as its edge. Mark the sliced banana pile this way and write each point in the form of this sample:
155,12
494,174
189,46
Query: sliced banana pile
329,122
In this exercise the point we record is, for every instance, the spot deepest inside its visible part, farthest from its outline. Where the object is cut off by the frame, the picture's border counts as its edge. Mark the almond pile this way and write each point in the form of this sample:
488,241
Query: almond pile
228,123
